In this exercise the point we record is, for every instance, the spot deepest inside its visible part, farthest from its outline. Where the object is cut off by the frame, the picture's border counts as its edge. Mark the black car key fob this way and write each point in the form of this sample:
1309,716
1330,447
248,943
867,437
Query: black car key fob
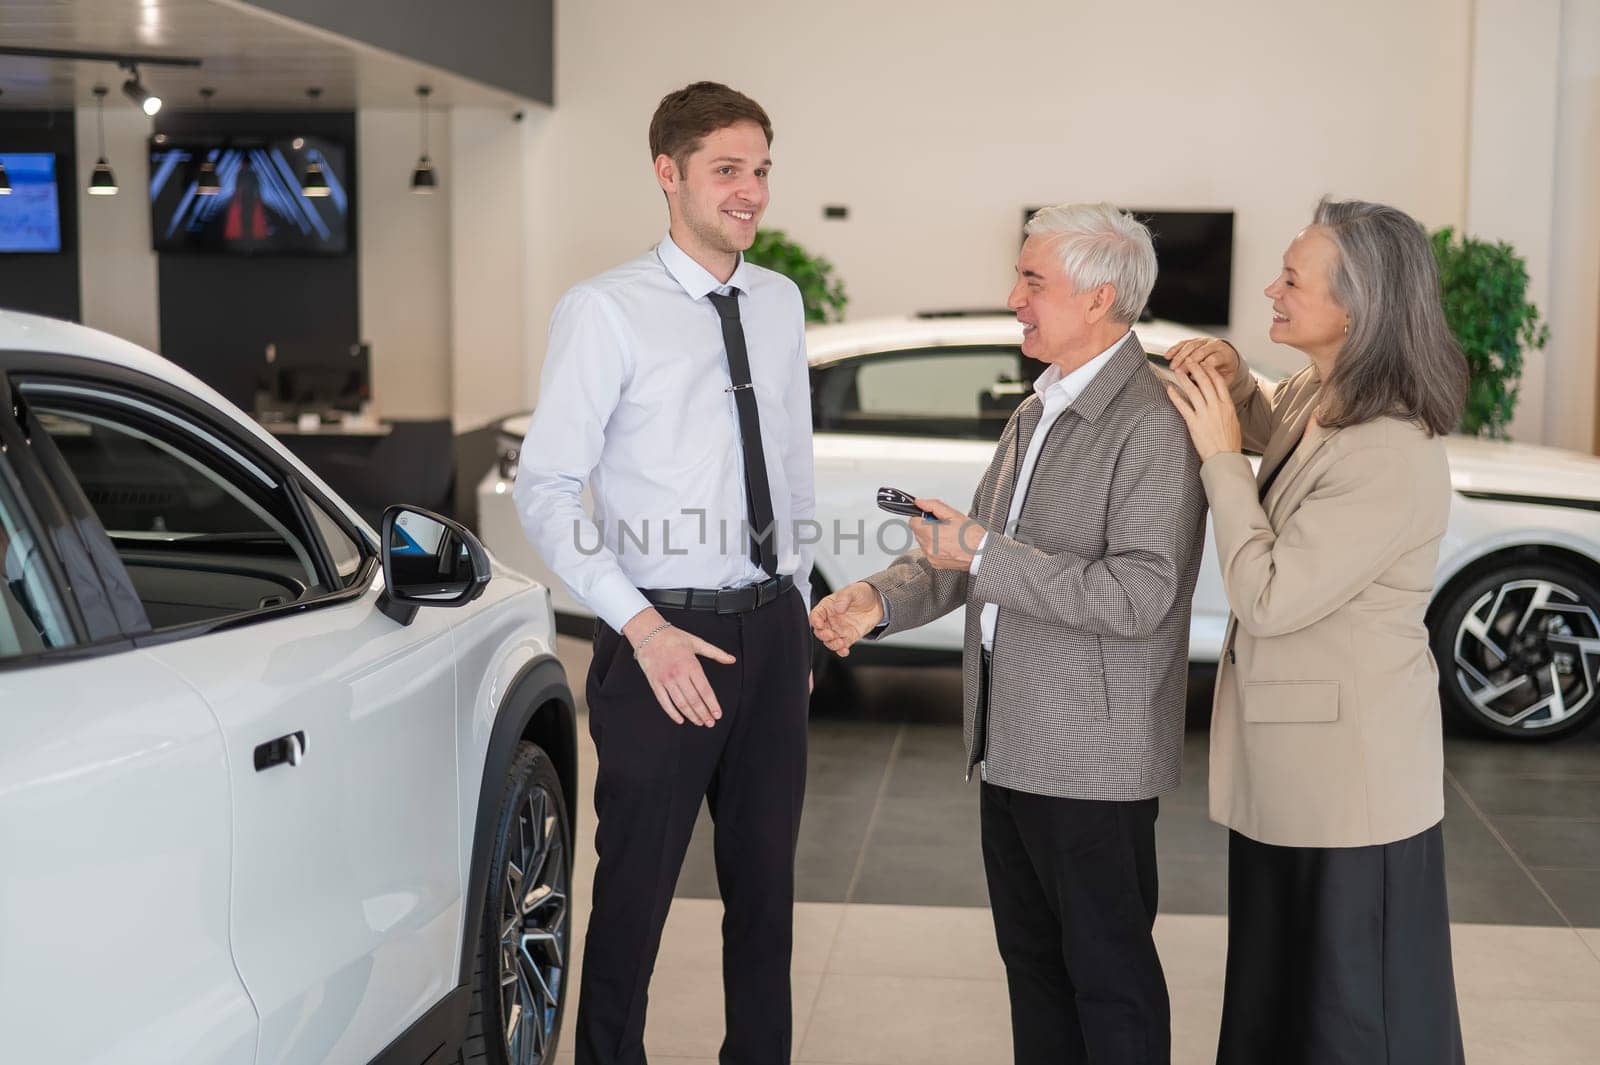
903,503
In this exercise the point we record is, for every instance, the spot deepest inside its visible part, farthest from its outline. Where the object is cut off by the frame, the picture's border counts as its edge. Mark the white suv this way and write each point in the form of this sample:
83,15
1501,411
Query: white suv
261,801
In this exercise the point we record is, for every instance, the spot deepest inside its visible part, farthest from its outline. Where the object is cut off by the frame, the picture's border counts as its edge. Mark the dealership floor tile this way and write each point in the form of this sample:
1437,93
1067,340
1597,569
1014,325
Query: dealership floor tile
1576,894
1552,843
894,952
893,985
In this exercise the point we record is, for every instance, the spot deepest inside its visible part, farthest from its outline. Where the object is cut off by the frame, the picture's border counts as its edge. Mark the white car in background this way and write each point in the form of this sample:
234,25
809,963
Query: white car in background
262,802
918,403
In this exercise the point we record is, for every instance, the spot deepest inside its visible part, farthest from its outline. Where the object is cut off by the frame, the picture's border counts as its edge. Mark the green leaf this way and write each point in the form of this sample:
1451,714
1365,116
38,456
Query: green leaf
821,292
1483,287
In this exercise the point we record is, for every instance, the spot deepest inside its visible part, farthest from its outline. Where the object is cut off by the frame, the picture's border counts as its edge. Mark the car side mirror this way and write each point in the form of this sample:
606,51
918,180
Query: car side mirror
428,560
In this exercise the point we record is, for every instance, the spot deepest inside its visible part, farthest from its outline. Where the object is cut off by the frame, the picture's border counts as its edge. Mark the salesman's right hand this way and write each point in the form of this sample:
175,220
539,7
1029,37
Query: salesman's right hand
1188,356
670,661
847,615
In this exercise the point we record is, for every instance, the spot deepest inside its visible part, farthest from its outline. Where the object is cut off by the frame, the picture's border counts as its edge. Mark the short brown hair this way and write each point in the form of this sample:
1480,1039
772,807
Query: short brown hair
684,118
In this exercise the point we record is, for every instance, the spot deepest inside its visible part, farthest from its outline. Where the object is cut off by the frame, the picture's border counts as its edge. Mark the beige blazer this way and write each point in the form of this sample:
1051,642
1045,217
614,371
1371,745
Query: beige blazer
1326,729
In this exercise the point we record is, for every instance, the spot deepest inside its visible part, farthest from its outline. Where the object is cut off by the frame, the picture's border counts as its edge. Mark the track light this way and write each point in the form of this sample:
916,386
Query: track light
134,90
313,183
102,182
207,184
423,179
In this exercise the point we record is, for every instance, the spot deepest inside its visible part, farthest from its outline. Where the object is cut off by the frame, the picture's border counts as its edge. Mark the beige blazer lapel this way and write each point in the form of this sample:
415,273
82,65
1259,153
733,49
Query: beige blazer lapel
1283,442
1314,437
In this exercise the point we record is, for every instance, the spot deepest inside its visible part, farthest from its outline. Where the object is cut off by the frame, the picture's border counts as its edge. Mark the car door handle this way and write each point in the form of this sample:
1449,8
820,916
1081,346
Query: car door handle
289,749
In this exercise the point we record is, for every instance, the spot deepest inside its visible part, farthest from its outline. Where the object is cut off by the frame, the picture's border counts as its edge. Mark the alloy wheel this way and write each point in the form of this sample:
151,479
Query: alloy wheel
1526,654
534,929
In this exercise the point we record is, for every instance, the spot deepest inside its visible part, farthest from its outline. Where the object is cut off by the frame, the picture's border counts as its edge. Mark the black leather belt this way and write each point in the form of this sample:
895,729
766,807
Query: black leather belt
722,600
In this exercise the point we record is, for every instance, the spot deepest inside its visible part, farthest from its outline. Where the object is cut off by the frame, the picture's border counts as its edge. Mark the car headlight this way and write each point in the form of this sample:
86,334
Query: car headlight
508,451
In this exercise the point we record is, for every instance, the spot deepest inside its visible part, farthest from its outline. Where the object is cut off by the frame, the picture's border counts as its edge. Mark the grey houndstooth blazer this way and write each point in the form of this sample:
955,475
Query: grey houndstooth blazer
1091,642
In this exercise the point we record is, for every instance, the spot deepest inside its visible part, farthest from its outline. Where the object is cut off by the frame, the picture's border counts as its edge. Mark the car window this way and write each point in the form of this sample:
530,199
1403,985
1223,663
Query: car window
200,540
345,552
31,615
965,392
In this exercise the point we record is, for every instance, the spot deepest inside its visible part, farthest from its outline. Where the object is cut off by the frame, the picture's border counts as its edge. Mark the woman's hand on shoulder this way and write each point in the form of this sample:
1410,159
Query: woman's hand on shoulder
1187,356
1201,396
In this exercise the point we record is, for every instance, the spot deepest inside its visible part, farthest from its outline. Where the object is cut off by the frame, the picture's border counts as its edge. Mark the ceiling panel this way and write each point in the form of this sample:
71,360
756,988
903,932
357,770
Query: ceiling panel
254,60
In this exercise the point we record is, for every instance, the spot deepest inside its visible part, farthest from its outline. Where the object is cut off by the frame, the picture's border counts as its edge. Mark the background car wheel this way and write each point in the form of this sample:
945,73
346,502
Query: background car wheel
523,951
833,689
1518,651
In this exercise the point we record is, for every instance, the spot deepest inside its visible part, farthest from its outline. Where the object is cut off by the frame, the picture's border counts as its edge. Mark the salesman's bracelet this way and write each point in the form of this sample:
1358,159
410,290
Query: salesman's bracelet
652,635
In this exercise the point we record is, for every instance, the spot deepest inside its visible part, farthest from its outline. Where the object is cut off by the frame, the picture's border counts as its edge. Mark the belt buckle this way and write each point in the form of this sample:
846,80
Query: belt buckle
729,601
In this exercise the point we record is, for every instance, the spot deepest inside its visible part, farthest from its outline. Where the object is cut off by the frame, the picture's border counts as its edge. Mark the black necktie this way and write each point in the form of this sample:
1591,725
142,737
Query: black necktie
757,492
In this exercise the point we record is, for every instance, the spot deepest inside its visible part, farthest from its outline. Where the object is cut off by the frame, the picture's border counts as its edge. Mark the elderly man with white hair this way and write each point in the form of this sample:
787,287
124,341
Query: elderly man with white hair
1077,566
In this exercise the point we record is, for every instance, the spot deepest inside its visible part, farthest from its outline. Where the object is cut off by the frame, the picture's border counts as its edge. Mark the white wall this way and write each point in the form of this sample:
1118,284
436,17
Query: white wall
116,264
937,122
488,196
543,272
1574,271
444,277
405,250
1511,167
1533,169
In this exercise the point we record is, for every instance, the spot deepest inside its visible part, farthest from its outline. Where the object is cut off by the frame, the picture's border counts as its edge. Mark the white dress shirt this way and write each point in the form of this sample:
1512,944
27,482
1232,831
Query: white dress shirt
1056,391
635,401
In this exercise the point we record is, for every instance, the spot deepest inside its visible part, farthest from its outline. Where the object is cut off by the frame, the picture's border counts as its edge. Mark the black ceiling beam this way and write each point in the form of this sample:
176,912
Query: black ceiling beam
120,58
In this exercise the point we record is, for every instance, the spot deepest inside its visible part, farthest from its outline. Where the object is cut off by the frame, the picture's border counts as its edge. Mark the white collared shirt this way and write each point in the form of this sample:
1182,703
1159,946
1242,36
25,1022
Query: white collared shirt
635,402
1057,392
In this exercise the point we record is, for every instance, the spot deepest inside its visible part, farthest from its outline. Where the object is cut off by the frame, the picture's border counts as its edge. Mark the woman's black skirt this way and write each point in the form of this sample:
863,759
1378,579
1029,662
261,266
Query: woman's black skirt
1339,955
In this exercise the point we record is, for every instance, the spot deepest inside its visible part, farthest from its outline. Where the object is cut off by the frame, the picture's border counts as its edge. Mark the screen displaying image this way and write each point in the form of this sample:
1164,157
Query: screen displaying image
30,218
259,208
1194,253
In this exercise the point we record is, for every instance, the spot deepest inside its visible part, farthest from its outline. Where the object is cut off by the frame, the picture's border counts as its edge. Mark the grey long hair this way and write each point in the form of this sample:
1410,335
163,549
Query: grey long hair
1400,358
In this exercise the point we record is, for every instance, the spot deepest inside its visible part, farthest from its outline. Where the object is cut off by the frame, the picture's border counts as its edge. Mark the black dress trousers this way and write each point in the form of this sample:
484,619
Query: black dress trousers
1339,955
652,777
1072,884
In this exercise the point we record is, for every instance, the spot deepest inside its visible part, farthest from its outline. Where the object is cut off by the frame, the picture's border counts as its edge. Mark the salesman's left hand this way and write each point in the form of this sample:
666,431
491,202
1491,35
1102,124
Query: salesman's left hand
1201,396
950,542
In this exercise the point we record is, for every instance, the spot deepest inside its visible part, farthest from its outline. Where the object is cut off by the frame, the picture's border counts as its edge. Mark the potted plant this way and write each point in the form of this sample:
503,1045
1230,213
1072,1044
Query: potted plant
1484,286
820,291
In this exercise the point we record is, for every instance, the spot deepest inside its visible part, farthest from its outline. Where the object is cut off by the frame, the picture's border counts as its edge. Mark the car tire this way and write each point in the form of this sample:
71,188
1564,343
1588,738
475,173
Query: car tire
832,685
1518,650
524,944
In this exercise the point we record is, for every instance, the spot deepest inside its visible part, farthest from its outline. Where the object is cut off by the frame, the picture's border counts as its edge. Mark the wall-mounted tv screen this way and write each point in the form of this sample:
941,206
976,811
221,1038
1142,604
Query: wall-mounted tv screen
259,207
1194,259
30,217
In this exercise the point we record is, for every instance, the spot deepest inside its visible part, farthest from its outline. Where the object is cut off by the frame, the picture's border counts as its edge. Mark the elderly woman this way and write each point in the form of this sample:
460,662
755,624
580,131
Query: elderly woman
1326,756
